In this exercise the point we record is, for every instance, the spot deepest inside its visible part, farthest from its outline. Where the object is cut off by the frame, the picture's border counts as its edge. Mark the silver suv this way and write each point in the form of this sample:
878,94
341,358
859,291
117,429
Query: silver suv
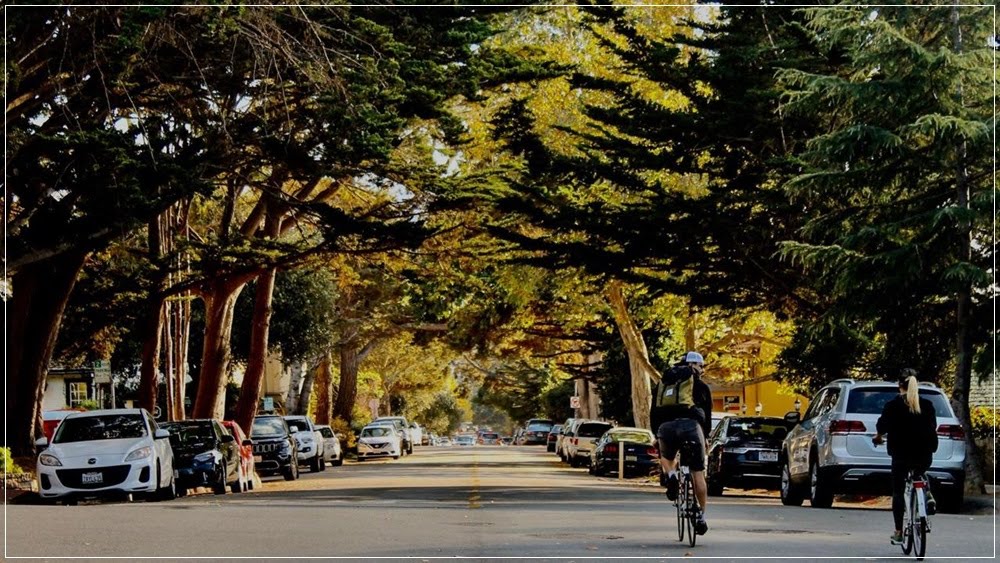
830,449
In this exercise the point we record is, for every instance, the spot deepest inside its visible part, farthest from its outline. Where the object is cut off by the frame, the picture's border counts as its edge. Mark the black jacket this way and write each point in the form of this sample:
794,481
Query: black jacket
908,435
701,411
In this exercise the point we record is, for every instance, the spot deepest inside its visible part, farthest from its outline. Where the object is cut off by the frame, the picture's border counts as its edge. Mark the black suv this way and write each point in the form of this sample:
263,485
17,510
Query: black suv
274,449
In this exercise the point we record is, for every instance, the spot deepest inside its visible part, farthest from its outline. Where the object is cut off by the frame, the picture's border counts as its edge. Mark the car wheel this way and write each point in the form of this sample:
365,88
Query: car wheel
220,485
314,464
240,484
165,493
395,457
790,495
950,501
714,488
820,495
598,469
182,492
322,463
291,473
573,462
339,461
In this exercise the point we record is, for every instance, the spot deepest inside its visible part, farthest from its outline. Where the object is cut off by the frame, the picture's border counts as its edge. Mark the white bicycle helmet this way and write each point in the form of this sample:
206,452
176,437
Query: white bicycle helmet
693,358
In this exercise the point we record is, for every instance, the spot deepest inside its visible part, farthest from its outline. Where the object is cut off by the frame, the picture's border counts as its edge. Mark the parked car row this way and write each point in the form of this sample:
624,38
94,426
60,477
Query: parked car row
125,451
828,450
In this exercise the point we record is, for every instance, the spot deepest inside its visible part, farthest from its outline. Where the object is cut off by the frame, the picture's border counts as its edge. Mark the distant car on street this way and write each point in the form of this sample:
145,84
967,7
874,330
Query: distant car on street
205,455
585,435
489,439
274,448
465,440
379,440
743,452
634,447
309,442
537,433
552,438
332,452
404,426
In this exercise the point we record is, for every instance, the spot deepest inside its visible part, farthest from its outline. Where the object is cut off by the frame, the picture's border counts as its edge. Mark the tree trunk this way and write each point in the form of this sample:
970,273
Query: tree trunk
220,301
974,482
643,372
347,391
246,407
152,330
323,385
295,386
40,293
307,387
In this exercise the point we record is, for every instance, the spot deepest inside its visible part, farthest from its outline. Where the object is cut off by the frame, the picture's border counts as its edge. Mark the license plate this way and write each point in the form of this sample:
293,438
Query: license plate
631,458
92,478
768,456
258,458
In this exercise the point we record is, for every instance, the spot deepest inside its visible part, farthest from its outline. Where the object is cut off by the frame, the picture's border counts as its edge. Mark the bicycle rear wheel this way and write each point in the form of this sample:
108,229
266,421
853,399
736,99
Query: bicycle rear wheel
908,523
679,503
692,513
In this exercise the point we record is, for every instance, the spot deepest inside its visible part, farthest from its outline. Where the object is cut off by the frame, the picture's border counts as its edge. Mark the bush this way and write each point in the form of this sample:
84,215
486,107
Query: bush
342,428
9,467
984,422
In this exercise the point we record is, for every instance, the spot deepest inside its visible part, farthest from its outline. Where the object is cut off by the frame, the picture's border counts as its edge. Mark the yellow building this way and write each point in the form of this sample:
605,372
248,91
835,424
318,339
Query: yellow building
774,398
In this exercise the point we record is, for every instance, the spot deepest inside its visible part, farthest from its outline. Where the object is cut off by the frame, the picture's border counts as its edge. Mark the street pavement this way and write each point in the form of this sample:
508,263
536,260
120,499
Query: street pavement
474,502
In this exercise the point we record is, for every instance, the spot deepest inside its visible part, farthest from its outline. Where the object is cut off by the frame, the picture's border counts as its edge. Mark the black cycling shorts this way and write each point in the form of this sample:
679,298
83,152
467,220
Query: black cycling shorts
671,435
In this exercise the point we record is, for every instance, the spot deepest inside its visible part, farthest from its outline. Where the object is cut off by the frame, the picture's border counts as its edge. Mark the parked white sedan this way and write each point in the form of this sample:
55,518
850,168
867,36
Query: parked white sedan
331,445
105,452
379,440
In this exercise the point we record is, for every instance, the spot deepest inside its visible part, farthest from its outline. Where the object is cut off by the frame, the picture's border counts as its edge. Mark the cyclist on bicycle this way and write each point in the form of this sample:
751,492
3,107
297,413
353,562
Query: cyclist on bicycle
910,423
681,412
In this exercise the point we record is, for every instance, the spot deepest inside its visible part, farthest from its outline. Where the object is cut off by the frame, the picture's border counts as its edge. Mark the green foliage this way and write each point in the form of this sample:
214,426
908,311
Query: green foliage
9,467
443,416
984,422
89,405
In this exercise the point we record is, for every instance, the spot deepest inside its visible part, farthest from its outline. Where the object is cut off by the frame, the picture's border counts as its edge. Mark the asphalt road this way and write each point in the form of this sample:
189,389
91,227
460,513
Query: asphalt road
468,502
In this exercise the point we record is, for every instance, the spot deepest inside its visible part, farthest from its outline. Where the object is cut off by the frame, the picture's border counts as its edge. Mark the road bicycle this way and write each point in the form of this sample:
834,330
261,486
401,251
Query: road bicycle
915,523
687,505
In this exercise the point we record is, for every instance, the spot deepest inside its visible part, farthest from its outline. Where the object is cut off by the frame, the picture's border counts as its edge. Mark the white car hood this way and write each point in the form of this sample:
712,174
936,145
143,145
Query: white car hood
107,452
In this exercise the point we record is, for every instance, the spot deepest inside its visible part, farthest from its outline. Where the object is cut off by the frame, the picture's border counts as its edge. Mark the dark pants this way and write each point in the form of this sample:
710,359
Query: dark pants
900,470
672,435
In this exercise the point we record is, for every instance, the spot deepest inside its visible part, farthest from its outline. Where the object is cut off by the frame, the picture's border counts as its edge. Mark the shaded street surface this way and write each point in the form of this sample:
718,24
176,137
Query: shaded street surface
479,501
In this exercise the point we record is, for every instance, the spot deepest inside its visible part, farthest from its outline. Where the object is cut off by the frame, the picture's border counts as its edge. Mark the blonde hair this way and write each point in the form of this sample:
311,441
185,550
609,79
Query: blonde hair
909,384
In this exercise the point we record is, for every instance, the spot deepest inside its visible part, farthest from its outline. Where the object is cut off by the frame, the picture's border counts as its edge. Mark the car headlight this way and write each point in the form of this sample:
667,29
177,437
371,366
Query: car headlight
49,459
140,453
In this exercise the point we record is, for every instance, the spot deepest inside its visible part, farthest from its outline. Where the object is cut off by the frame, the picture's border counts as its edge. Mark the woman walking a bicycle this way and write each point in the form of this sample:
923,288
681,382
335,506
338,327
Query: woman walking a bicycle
910,423
681,411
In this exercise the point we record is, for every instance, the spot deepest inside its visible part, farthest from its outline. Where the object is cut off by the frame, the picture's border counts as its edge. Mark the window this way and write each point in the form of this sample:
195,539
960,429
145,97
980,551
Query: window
77,391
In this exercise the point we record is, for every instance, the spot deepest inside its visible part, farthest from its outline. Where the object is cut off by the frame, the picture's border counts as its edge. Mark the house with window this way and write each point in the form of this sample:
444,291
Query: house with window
68,387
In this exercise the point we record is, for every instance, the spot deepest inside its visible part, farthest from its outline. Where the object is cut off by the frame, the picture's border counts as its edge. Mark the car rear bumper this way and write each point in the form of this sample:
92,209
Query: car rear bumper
878,479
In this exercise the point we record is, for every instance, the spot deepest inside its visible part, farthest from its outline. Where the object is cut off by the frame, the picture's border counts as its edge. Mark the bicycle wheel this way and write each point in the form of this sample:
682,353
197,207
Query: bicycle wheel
908,523
692,512
679,503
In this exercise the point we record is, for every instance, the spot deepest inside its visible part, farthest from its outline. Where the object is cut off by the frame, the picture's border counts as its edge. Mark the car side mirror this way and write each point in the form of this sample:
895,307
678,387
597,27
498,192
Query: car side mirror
793,418
42,442
161,434
248,442
228,438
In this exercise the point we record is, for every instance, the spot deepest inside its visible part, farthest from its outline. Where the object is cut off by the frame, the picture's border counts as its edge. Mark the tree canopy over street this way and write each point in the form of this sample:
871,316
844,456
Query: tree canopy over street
450,212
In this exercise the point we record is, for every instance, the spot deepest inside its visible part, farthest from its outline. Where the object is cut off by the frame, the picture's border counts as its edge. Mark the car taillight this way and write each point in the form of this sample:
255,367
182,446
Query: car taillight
611,449
652,451
847,427
576,441
953,431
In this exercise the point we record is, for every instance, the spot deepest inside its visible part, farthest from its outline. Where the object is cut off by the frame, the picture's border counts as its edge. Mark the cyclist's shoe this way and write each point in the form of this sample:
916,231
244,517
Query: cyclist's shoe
700,525
896,538
931,504
672,486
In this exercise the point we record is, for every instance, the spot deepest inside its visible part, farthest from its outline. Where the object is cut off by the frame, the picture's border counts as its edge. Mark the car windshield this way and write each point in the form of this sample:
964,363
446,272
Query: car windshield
637,437
757,428
539,427
101,427
556,429
490,436
376,432
592,429
267,427
189,433
297,425
326,432
870,400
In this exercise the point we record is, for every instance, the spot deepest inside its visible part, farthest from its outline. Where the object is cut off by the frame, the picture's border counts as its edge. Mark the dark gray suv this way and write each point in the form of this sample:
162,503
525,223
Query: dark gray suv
830,451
